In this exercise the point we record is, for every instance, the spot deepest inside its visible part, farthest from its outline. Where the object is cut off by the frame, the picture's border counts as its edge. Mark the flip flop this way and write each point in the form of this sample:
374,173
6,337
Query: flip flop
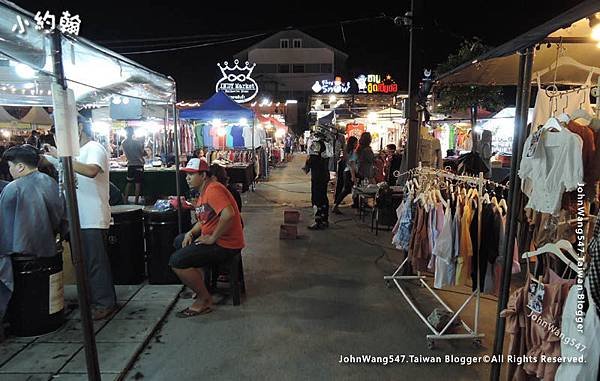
188,312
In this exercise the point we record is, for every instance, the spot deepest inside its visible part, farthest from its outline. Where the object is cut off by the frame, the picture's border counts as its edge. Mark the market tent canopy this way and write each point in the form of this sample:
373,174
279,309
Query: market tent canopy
5,117
500,66
93,72
38,116
390,113
219,106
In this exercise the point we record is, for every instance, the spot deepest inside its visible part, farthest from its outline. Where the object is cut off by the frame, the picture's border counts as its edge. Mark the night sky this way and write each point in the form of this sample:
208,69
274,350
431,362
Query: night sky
374,44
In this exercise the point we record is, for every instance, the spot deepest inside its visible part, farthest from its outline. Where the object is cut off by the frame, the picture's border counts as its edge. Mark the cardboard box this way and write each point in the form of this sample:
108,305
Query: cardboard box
287,231
291,216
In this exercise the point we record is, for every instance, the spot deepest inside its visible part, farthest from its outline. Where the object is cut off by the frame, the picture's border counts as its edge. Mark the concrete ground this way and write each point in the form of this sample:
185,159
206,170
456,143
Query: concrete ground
310,301
60,356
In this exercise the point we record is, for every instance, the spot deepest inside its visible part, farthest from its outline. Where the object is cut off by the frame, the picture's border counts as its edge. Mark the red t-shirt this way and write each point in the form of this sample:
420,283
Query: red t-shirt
209,206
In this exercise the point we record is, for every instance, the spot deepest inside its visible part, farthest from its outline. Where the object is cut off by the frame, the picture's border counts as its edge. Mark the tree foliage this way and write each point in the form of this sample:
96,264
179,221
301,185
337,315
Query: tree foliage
456,98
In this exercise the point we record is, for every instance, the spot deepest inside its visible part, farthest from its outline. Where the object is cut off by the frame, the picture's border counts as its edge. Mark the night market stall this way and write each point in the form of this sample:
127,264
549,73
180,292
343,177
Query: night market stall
59,70
553,198
224,132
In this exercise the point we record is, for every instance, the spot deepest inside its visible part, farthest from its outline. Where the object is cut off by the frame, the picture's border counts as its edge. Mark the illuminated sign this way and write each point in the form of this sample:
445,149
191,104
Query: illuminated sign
67,24
331,87
237,83
374,84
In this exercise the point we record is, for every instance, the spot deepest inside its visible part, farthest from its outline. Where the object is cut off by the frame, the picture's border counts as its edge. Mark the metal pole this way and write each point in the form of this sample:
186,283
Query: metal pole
177,185
415,74
83,288
523,98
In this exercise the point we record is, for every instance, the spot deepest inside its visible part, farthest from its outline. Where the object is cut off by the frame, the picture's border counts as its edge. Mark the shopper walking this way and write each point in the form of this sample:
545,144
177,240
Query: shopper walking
348,176
135,152
214,239
91,167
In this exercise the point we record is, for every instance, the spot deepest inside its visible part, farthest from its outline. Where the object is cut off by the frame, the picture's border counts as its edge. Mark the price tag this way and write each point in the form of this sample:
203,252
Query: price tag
535,140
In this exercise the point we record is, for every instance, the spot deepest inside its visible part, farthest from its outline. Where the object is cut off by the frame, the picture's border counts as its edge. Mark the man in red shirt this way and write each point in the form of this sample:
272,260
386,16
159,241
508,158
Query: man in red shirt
215,238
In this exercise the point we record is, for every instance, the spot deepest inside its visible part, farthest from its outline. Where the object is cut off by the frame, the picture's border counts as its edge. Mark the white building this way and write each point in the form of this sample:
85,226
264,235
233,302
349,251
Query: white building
288,63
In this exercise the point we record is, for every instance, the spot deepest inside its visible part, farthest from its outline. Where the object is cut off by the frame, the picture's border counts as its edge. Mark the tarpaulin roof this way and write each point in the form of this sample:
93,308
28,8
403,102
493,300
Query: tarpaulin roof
93,72
219,106
37,115
500,66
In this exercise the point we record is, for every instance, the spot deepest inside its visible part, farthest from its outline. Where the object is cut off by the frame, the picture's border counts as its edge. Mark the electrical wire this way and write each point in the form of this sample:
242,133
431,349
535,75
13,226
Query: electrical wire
192,46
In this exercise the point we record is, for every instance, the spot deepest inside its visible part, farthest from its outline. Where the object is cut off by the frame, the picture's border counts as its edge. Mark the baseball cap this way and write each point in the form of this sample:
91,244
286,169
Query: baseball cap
196,166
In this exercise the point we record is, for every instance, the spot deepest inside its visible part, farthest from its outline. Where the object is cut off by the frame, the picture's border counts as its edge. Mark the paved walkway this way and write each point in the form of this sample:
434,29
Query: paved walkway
60,356
309,302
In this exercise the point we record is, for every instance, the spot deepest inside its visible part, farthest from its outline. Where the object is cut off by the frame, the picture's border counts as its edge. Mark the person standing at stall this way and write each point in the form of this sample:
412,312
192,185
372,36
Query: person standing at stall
348,177
135,153
91,167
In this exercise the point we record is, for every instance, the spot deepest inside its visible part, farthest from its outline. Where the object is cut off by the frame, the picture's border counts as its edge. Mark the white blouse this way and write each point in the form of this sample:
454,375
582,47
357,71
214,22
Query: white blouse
555,167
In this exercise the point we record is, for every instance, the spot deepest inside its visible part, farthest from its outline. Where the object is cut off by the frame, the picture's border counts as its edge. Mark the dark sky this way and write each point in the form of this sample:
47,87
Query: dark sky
373,44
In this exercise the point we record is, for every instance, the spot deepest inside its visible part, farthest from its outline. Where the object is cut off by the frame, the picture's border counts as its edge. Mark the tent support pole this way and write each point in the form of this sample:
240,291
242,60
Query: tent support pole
177,184
83,287
415,75
515,196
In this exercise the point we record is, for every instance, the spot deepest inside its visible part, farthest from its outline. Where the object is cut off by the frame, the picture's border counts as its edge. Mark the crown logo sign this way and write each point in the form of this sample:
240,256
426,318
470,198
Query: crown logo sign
243,73
237,82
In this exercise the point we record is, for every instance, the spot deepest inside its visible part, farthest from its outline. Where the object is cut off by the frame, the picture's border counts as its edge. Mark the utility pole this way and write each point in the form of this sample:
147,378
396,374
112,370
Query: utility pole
415,18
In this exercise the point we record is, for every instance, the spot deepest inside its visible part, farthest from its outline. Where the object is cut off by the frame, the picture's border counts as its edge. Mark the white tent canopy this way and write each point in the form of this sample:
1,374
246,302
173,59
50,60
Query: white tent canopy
5,117
500,66
38,116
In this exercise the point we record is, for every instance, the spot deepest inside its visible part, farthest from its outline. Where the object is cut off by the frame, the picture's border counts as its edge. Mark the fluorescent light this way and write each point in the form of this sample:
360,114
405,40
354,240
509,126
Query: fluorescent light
24,71
243,121
291,101
217,123
29,85
332,99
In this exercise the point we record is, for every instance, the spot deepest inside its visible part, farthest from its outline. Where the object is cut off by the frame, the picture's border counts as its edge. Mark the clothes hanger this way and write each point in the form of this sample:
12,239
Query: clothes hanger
566,61
551,248
552,123
565,245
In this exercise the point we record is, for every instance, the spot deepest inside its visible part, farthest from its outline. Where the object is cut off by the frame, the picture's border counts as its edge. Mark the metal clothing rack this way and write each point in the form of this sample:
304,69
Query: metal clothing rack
474,333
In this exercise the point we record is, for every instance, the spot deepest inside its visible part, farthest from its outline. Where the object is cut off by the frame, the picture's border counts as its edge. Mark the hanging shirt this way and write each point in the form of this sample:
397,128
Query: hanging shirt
237,135
229,137
565,101
555,167
443,252
463,262
199,133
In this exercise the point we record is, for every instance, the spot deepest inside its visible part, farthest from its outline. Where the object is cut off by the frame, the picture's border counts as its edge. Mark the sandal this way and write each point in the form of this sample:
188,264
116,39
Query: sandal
188,312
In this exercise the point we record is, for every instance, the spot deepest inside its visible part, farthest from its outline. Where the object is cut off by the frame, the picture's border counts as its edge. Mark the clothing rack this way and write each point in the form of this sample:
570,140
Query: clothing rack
474,333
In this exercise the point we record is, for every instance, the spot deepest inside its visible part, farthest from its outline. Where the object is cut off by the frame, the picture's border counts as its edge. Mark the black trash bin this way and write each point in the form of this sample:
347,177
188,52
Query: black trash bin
161,230
37,305
126,244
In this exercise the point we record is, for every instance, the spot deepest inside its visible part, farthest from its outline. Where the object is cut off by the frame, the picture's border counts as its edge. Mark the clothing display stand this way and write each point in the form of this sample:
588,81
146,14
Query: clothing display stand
474,333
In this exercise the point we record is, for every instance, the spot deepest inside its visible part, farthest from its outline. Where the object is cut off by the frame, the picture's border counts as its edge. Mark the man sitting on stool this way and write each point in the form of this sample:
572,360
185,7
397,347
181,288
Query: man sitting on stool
214,239
32,215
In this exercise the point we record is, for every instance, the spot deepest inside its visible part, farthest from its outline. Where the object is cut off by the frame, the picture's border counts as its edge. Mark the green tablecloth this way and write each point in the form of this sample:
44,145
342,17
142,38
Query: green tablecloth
157,182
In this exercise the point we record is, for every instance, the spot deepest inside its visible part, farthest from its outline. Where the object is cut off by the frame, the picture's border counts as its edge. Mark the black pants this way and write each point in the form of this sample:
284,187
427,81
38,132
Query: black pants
339,183
347,185
196,256
319,199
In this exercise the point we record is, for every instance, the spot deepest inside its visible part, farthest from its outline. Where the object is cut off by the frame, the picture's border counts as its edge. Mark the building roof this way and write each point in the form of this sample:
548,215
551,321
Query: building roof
304,35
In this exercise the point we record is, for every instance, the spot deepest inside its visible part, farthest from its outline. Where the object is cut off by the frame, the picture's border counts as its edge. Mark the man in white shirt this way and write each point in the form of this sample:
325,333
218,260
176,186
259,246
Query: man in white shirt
92,169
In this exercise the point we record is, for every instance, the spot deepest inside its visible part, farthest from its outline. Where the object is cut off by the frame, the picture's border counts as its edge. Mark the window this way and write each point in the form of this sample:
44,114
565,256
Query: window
265,68
284,43
298,68
283,68
312,68
326,68
297,43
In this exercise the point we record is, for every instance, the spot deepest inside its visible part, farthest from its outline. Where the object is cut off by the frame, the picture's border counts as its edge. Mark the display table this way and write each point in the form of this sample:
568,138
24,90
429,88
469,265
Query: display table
158,182
239,174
